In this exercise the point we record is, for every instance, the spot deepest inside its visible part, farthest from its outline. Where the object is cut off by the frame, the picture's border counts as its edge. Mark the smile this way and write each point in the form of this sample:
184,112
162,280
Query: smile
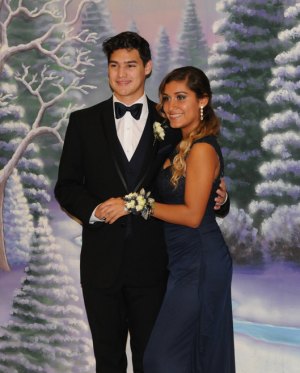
123,82
174,116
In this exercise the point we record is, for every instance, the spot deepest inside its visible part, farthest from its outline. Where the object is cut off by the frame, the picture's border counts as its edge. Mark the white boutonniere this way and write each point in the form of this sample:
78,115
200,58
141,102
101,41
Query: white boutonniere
159,131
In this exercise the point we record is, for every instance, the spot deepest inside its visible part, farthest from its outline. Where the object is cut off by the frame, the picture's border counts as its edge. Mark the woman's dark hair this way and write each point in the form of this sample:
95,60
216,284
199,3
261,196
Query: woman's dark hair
127,40
196,79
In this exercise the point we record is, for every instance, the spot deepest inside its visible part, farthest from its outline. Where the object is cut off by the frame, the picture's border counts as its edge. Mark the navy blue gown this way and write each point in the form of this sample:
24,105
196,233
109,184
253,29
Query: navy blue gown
194,331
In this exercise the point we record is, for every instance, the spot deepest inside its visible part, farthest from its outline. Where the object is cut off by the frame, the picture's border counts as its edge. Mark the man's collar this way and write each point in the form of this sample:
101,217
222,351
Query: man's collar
141,100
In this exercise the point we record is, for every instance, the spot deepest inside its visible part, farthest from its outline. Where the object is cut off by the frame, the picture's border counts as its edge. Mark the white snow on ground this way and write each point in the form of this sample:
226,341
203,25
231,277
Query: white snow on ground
258,357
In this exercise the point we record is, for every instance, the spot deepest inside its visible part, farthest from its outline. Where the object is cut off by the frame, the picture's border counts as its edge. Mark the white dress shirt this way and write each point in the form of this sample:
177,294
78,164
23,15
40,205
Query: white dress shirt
129,131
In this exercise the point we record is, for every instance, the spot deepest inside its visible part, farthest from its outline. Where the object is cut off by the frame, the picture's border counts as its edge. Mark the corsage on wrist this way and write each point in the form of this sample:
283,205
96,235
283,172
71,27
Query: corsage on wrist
139,203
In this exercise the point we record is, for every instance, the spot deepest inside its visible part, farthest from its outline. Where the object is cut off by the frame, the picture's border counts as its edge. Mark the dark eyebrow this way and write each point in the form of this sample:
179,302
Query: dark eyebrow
176,93
127,62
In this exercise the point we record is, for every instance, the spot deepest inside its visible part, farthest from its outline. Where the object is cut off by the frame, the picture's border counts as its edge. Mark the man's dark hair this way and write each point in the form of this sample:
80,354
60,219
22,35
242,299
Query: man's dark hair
127,40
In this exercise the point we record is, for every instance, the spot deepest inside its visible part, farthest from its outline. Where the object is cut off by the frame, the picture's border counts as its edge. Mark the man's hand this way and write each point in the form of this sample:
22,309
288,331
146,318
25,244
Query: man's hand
221,195
111,210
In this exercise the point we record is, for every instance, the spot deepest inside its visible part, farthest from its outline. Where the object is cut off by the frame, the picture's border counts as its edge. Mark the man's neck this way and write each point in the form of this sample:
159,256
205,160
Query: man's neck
128,101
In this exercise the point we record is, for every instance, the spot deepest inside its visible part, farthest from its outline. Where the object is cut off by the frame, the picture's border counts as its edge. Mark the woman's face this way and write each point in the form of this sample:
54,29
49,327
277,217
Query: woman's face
182,106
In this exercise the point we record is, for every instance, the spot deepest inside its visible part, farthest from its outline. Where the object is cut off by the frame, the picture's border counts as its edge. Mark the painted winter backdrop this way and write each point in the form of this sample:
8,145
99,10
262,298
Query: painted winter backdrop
51,63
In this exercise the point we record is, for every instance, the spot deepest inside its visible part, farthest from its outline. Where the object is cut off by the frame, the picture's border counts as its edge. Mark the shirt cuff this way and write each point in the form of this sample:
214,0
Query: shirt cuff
94,219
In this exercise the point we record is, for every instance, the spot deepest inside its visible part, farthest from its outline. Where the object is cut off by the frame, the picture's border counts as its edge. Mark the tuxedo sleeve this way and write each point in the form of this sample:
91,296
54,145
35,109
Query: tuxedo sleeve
224,209
70,190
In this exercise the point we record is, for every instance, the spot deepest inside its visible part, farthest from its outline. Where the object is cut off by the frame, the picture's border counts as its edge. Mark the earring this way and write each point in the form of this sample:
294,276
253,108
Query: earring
201,113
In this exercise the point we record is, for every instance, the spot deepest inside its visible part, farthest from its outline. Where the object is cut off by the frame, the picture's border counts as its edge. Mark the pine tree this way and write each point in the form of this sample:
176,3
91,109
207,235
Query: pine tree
13,129
17,340
46,330
95,18
281,174
192,47
241,237
17,221
281,233
240,71
161,63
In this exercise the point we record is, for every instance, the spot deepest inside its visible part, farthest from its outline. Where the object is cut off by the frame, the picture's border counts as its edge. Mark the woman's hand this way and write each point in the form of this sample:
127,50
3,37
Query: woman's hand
112,209
221,195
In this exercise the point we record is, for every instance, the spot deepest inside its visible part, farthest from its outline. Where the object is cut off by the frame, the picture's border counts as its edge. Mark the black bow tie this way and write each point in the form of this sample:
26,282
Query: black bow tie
121,109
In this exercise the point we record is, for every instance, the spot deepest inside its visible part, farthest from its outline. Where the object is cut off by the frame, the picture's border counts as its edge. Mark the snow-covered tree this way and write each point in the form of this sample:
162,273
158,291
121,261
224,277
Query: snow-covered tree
241,237
36,82
13,129
240,70
18,222
161,63
192,46
11,114
281,233
46,329
281,173
95,18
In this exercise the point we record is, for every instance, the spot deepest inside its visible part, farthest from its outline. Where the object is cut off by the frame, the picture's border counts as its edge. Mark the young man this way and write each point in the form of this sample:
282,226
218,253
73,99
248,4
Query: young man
109,151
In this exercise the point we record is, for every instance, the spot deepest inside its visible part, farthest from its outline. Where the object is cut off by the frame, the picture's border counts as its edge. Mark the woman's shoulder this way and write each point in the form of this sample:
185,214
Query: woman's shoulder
213,141
210,139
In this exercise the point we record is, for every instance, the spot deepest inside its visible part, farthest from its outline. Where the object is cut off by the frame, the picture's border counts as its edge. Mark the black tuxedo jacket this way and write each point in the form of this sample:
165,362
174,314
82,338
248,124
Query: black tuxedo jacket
90,172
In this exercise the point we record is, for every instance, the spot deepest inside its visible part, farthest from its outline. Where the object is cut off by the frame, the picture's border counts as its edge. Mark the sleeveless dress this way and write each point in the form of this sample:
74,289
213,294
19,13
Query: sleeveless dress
194,330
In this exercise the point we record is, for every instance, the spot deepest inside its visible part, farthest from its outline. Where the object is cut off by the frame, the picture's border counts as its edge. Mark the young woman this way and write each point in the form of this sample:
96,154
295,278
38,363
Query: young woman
194,331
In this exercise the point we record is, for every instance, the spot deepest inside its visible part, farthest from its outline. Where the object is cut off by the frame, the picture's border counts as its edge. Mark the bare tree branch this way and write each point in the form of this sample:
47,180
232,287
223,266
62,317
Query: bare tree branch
61,22
56,81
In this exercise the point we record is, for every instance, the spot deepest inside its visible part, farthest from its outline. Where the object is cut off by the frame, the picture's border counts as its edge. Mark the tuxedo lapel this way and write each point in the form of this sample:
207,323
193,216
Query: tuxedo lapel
113,141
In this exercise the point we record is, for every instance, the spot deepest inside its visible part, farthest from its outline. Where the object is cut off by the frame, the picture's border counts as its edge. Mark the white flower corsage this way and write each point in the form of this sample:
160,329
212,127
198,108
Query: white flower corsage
139,203
159,131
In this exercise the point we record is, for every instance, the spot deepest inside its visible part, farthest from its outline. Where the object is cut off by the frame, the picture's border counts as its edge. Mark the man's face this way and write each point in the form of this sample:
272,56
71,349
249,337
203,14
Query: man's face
127,74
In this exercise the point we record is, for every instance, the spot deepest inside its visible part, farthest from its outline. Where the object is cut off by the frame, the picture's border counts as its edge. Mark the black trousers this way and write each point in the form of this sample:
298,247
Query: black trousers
114,312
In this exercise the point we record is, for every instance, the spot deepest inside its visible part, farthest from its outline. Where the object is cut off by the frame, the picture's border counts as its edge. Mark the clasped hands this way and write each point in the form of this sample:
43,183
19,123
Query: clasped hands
111,210
114,208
